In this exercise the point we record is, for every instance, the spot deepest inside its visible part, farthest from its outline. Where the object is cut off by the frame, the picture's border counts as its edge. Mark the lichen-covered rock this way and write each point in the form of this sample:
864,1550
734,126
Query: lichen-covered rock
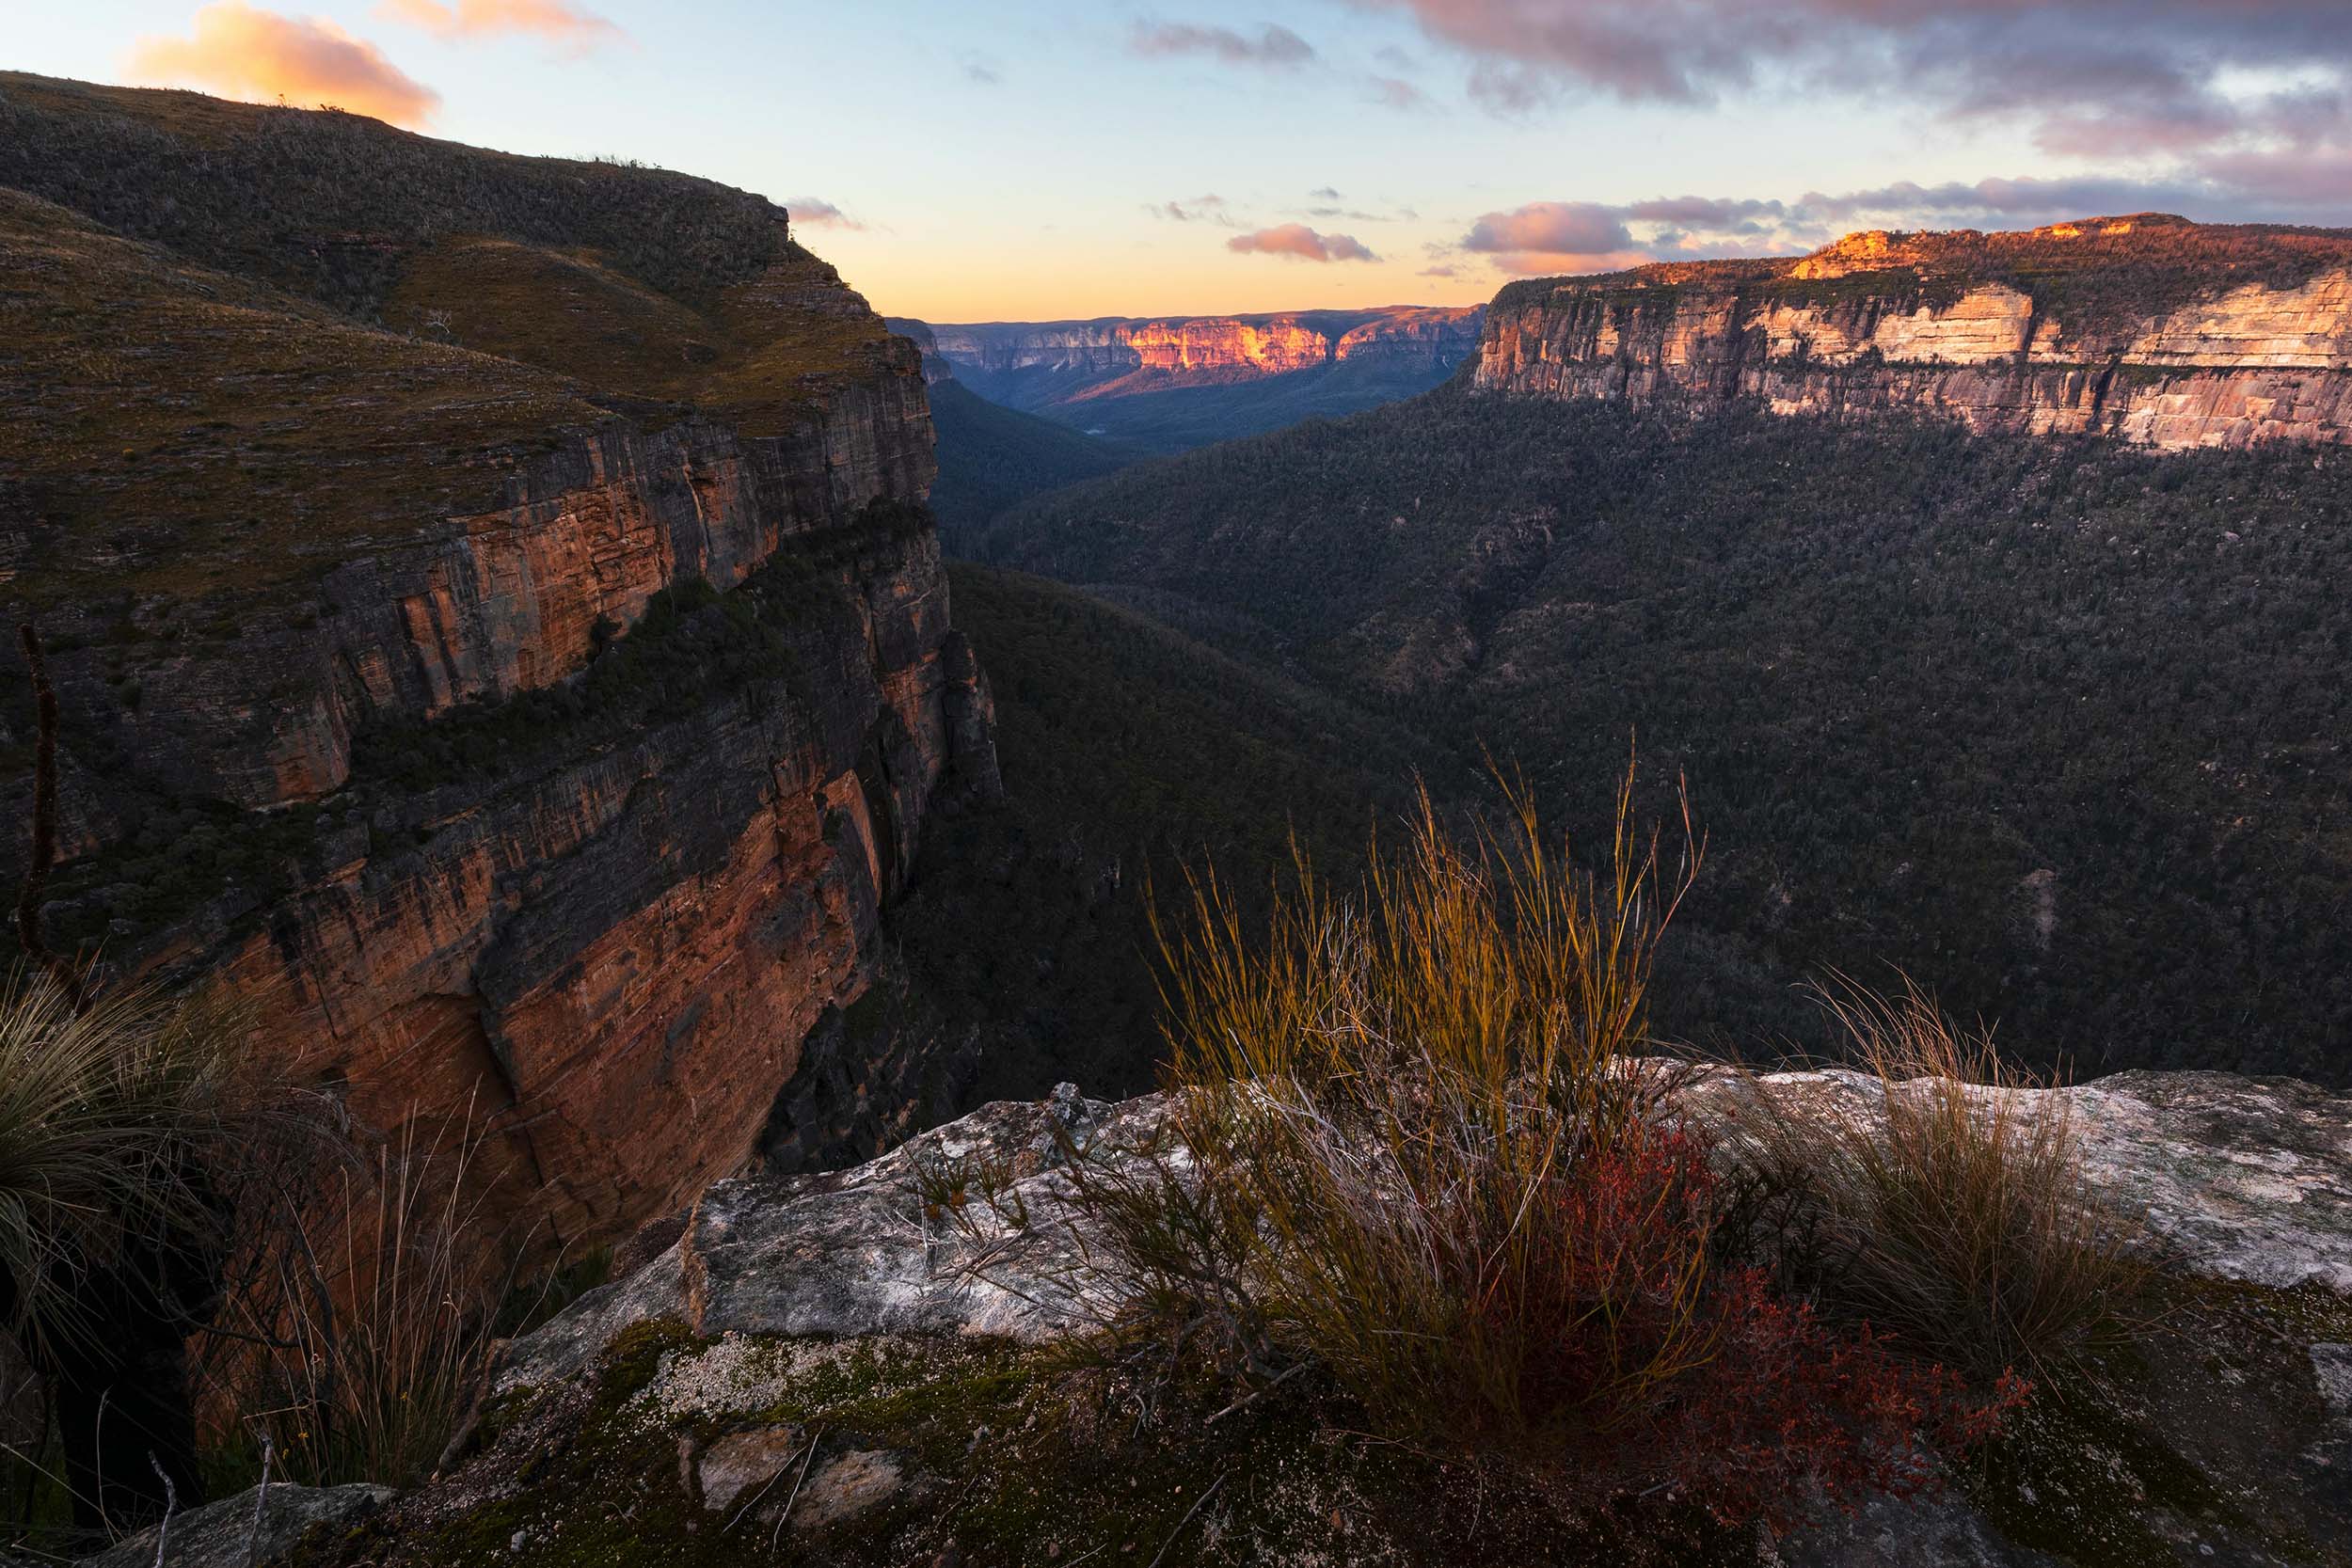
2246,1178
2239,1178
850,1253
835,1366
230,1534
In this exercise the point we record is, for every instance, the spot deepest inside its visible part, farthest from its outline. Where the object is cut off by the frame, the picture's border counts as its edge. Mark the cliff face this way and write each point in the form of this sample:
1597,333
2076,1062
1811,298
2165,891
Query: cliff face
527,729
1207,348
2154,329
1169,383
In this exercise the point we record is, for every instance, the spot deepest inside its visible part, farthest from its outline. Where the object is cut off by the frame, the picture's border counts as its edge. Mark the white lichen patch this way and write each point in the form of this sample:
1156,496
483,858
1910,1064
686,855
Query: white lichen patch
735,1375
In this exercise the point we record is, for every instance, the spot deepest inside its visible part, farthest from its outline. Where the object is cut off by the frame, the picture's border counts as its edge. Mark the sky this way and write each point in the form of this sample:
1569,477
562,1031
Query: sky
1030,160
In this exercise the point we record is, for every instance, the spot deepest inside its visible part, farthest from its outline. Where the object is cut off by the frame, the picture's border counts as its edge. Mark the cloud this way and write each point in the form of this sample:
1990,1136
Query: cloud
1200,209
1563,227
2084,77
1297,240
546,19
2314,184
1438,272
808,211
1713,212
1273,46
1324,193
1395,92
239,52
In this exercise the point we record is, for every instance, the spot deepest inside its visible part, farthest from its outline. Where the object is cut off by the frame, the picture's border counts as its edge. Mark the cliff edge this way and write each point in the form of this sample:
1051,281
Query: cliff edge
826,1368
2147,327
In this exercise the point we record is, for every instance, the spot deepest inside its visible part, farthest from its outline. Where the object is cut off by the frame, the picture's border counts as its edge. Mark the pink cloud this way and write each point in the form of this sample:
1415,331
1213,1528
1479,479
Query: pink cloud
548,19
259,56
1558,228
1297,240
810,213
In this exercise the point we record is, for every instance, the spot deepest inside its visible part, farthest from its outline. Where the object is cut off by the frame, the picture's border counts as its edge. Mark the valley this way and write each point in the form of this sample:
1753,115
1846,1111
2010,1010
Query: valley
1170,384
1693,919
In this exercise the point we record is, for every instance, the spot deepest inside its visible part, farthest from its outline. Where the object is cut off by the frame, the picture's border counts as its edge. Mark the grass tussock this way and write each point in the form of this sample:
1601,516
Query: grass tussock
1403,1091
368,1297
1423,1149
1947,1200
107,1118
337,1301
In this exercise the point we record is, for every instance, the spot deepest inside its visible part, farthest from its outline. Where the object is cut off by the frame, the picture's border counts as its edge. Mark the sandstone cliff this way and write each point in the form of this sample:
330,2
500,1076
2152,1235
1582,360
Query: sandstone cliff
1172,382
1201,349
2149,328
528,709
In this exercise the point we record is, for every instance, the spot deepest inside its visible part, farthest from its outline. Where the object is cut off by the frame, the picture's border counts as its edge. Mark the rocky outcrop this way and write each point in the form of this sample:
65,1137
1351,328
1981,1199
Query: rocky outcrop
2149,328
244,1530
843,1340
2238,1179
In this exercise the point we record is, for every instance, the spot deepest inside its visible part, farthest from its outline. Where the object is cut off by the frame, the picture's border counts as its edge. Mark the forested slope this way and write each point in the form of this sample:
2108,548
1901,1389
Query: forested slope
2057,725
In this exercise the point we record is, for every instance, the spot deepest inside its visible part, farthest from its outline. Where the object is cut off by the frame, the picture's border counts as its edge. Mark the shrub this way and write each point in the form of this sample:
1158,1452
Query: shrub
1417,1154
1947,1199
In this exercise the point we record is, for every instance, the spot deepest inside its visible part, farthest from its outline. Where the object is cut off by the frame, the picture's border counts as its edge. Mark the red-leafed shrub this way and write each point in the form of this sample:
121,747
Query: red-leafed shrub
1645,1368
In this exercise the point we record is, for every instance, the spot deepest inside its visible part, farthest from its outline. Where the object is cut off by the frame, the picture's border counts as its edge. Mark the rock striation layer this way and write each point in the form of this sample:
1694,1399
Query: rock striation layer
2149,329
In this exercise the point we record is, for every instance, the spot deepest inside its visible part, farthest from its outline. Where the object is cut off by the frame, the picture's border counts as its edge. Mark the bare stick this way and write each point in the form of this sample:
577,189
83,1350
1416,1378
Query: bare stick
1249,1399
777,1534
171,1506
1197,1503
260,1500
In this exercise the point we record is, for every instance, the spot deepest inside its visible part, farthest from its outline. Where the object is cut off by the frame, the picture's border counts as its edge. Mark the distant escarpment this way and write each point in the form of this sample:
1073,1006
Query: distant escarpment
1174,382
2151,328
496,622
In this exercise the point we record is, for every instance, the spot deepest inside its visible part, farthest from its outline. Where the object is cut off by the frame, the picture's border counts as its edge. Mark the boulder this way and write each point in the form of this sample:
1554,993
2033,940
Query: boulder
232,1533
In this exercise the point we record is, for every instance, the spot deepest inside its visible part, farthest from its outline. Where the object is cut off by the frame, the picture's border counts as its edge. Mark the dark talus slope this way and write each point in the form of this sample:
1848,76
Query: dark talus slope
528,709
1170,384
2055,724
